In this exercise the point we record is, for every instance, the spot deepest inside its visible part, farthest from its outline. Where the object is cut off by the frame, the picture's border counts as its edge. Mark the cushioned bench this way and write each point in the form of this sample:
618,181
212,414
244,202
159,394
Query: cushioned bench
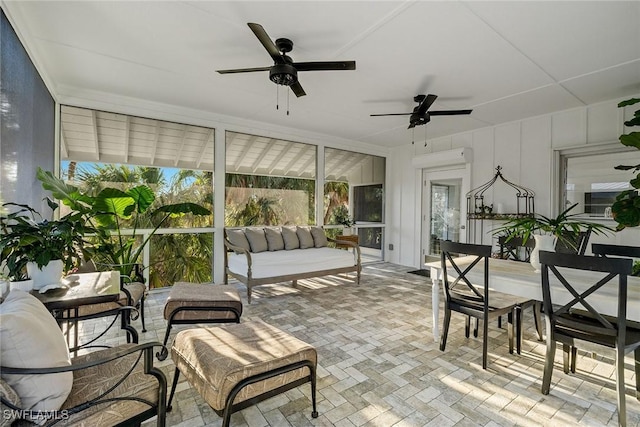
192,303
236,366
259,256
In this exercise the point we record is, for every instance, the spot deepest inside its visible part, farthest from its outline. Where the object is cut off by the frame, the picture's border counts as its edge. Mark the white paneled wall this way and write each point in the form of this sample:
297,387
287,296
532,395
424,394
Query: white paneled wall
524,149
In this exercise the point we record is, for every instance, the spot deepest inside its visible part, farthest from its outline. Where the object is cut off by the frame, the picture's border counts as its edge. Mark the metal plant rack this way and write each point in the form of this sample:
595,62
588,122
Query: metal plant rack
478,212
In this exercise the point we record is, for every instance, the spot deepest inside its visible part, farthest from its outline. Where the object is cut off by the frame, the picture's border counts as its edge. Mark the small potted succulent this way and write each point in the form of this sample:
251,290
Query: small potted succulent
33,248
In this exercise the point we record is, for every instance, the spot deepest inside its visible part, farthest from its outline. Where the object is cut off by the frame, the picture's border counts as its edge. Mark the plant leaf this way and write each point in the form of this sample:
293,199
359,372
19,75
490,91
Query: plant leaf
183,208
143,197
628,102
111,203
631,139
633,122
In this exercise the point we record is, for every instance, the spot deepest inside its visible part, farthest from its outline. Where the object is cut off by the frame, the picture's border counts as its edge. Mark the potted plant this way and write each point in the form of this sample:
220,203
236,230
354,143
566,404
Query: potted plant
341,216
34,248
547,231
626,208
112,211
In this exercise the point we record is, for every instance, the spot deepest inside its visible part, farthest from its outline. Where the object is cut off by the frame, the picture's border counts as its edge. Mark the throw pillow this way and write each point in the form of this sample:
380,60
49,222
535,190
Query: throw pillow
319,238
305,238
238,238
257,239
290,238
8,416
274,239
31,338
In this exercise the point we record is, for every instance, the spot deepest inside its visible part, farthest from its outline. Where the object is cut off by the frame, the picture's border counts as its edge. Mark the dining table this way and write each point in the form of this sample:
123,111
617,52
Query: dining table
522,280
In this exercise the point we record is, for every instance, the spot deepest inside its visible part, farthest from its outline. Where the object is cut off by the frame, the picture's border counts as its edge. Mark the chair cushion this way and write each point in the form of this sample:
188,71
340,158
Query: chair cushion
136,289
274,239
257,239
238,238
215,359
290,238
319,238
30,338
89,383
185,294
305,237
9,394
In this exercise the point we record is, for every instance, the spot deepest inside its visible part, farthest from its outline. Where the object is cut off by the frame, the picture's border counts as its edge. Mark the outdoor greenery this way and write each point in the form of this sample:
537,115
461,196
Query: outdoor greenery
27,237
626,208
133,205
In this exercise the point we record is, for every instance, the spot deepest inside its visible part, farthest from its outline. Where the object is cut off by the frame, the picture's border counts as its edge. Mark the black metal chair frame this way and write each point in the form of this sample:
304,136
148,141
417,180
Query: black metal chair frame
473,303
230,407
145,354
579,320
162,354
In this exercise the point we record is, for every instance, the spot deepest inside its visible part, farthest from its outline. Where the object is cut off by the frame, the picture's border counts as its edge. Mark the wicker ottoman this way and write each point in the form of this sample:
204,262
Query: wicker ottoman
236,366
191,303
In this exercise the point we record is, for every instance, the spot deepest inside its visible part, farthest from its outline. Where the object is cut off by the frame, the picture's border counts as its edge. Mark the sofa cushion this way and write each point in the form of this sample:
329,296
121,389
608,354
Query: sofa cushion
30,338
274,239
238,238
290,238
319,238
305,237
257,239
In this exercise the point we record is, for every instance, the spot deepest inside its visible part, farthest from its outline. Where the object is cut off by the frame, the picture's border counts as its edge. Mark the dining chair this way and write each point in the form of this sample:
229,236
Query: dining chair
577,319
516,249
473,300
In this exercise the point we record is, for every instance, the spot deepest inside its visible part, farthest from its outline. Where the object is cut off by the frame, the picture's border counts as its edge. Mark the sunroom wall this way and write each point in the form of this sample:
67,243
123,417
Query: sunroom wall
524,149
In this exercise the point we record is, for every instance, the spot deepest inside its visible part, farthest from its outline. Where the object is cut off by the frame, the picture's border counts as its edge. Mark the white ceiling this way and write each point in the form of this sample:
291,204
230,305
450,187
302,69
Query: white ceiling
505,60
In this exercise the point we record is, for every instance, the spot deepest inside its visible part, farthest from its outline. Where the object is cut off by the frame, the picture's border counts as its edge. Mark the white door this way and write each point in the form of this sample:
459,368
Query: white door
443,209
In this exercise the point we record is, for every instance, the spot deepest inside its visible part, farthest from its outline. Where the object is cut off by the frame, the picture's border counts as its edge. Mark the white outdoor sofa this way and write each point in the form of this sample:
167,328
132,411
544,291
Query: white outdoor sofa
266,255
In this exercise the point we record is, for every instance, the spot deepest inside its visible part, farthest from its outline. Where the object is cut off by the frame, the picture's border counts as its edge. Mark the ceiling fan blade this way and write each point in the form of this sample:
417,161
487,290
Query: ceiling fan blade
325,66
297,89
449,112
266,41
243,70
426,103
411,125
391,114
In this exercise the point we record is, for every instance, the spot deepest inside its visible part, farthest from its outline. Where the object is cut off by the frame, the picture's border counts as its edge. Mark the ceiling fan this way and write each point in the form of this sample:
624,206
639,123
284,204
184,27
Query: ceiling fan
284,71
420,115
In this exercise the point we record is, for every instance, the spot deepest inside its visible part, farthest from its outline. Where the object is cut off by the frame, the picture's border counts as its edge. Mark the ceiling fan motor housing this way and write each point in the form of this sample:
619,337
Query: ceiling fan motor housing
283,74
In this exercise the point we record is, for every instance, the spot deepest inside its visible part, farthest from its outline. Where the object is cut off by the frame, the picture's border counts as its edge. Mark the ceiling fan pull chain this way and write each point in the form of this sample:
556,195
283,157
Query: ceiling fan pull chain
413,136
425,136
277,97
288,92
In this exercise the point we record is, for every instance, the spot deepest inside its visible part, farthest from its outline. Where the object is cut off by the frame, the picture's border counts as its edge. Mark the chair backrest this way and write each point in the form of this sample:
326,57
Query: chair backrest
509,247
584,296
572,243
615,250
458,277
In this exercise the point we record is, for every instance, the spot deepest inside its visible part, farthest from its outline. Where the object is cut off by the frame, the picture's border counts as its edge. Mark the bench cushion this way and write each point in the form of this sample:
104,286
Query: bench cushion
237,238
290,238
274,239
185,294
283,263
319,238
215,359
257,239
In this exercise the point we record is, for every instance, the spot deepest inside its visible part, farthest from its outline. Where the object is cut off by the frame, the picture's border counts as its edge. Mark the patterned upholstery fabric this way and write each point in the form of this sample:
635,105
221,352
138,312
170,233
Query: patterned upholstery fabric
10,394
185,294
136,289
215,359
89,383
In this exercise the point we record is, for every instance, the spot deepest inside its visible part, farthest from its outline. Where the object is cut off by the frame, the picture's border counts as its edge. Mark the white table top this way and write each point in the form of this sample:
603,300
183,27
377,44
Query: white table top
520,279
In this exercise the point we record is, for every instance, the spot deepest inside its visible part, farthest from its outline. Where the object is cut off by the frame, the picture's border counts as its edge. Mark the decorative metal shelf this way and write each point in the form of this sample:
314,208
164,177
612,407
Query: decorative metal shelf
478,212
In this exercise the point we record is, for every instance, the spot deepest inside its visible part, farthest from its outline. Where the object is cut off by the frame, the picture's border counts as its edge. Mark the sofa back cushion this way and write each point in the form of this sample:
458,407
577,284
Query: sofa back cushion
305,237
319,238
290,238
257,239
30,338
274,239
238,238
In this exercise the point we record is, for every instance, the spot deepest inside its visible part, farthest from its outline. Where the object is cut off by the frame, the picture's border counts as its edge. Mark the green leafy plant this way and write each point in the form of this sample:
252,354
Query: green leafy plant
27,237
109,211
565,227
341,216
626,208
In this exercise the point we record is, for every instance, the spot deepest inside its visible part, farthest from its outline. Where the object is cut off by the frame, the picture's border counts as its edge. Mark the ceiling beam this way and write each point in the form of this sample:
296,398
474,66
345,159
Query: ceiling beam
275,161
204,147
154,148
349,164
184,140
127,137
261,157
304,167
340,157
94,123
293,161
248,146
